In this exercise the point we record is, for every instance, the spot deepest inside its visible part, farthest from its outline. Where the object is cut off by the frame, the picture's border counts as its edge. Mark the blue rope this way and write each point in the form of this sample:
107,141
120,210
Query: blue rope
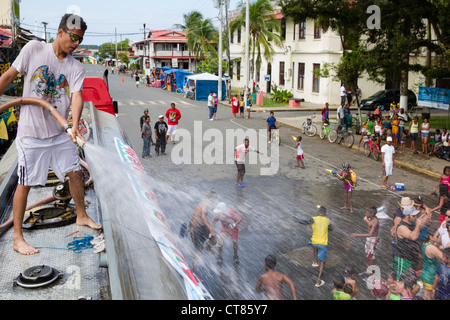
80,243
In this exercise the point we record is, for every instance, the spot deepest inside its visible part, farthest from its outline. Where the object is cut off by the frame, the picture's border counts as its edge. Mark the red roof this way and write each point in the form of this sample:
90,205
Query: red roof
158,36
6,33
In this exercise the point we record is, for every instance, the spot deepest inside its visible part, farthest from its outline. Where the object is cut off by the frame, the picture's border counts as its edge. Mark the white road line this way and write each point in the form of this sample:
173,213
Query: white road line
326,163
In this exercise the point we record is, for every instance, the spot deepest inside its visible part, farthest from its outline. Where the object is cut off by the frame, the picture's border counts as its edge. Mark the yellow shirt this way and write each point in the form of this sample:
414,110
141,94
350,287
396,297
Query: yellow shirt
320,230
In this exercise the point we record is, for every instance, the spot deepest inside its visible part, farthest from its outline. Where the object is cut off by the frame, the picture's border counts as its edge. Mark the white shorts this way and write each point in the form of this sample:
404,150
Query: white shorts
388,169
172,129
36,156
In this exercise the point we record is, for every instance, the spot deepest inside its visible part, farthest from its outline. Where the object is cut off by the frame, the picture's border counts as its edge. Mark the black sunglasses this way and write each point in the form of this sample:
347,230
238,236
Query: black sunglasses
74,37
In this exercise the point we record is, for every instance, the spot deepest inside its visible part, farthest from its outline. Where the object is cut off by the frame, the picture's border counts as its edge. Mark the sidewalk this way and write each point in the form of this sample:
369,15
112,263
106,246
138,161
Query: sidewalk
422,163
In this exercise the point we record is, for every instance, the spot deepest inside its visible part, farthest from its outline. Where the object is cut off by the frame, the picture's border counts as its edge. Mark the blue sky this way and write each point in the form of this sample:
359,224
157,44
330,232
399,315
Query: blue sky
102,17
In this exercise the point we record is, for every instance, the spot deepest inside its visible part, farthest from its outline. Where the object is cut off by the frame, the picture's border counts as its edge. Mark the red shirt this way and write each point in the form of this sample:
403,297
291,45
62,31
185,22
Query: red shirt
173,115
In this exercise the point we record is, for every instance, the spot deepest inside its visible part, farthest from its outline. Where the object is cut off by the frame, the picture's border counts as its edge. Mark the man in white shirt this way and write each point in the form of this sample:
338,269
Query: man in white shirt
239,159
343,93
387,159
211,105
340,116
50,73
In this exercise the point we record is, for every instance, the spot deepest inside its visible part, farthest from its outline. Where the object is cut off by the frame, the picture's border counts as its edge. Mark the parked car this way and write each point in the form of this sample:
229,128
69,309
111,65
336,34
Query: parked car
385,98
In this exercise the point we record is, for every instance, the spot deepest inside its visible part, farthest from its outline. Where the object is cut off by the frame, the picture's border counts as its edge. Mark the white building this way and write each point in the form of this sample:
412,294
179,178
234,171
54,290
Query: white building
306,48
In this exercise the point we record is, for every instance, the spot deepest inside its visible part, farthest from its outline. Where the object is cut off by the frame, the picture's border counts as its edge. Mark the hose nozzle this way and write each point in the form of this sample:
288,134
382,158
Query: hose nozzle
79,141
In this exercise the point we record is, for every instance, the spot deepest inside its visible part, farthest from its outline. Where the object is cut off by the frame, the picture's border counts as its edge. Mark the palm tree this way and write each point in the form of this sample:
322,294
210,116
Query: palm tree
264,28
191,22
201,34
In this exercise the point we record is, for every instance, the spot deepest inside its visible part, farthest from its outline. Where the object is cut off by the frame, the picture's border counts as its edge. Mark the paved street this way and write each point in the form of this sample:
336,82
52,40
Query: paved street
267,202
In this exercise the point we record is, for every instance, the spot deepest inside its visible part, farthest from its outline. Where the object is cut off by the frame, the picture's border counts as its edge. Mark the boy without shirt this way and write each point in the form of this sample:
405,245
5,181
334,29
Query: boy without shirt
372,236
272,281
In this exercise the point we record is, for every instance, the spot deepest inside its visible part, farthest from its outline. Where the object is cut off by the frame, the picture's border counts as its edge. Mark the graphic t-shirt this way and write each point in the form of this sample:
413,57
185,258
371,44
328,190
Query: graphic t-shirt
48,78
172,116
161,128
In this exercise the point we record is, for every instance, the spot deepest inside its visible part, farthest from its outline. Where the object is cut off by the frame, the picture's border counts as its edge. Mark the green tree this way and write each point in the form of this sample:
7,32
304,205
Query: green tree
264,32
201,35
191,22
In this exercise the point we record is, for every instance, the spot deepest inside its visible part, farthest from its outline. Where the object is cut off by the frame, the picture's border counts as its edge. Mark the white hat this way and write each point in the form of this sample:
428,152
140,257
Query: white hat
406,201
161,116
389,139
410,210
221,208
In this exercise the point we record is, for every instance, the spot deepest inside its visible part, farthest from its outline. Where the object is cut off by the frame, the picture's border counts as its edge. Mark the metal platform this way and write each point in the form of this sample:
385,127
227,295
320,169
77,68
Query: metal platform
81,278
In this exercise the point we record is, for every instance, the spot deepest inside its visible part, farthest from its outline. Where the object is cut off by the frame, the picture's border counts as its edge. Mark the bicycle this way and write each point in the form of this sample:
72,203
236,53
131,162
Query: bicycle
346,136
309,128
371,148
275,136
327,131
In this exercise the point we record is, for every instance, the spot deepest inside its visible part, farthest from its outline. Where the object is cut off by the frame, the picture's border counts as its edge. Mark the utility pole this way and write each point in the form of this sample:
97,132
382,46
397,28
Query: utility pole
45,30
247,39
230,69
143,60
219,91
117,59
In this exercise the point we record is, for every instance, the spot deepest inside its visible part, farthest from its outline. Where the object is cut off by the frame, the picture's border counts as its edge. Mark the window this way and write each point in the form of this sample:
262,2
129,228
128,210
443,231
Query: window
281,80
239,36
232,37
316,78
283,28
302,30
293,32
238,70
301,76
316,31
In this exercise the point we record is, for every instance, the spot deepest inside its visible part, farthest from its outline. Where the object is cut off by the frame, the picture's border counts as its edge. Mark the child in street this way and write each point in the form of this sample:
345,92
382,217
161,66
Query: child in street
349,177
372,236
272,281
402,143
349,273
271,124
338,291
299,148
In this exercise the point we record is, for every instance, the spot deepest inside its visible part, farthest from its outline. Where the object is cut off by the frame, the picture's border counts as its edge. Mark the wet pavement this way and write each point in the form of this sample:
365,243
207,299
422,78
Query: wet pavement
268,202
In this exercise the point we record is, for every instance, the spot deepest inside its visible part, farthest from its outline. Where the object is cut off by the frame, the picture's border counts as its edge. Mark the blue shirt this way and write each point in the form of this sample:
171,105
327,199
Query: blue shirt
271,121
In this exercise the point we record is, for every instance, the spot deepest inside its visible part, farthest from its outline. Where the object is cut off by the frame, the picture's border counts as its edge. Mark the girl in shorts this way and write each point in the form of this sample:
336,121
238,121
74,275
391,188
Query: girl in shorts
300,157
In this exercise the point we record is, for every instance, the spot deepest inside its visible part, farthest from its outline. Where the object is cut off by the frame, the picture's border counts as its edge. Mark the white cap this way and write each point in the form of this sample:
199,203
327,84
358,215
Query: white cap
221,208
161,116
410,210
389,139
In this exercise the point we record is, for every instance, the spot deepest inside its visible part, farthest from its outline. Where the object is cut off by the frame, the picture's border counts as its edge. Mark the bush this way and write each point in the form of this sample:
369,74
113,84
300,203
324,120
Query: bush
281,95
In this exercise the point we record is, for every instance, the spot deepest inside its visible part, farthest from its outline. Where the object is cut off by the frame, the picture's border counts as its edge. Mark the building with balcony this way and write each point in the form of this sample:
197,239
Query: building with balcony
164,48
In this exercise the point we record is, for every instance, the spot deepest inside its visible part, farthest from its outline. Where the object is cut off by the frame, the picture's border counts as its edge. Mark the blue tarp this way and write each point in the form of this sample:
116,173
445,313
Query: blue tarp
205,83
180,76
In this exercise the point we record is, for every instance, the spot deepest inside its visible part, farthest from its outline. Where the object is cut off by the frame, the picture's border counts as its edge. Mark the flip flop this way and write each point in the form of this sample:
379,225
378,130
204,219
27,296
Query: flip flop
321,284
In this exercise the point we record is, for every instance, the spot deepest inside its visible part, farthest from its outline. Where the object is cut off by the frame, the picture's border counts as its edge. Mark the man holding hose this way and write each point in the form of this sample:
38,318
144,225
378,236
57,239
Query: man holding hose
52,74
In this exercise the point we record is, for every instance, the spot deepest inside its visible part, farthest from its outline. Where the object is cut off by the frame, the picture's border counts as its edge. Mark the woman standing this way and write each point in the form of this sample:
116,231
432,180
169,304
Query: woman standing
425,134
413,132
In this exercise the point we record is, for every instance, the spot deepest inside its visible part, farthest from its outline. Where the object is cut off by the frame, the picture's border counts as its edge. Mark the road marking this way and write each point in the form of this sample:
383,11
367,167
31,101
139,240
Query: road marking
320,160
